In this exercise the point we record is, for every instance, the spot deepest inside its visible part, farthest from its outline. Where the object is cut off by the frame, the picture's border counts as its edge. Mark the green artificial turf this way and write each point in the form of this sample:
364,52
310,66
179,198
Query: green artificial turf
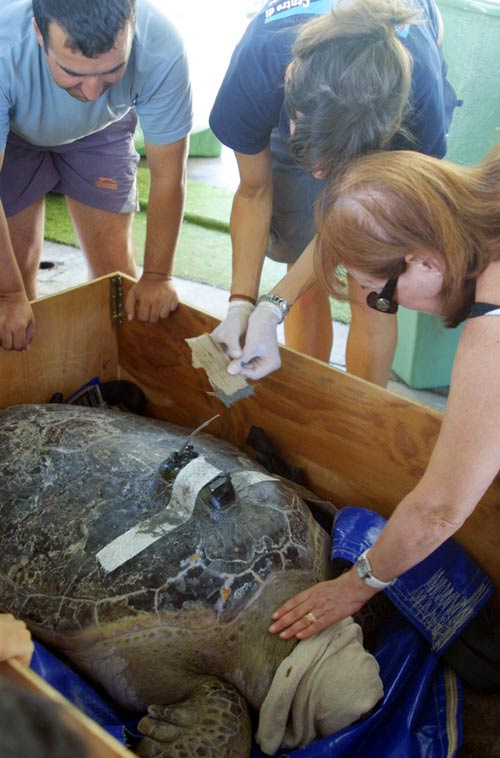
58,226
204,249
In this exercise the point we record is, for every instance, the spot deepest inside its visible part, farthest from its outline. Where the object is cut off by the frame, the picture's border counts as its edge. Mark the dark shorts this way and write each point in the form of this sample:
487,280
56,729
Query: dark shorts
294,194
98,170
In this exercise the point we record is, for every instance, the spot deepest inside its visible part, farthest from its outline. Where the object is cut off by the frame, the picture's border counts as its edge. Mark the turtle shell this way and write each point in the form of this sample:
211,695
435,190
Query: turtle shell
109,516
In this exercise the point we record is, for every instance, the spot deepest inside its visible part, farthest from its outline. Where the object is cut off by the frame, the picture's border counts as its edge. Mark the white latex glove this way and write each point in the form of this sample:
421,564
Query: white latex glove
261,353
231,331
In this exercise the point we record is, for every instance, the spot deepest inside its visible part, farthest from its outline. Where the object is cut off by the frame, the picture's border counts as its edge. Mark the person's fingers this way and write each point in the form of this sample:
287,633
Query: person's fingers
30,333
301,626
154,313
300,617
21,338
25,658
229,338
169,307
15,639
234,367
302,621
130,304
6,340
143,312
292,610
254,370
257,368
234,350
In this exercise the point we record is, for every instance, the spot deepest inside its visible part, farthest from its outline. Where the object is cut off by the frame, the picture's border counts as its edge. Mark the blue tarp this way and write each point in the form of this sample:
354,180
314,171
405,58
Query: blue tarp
74,688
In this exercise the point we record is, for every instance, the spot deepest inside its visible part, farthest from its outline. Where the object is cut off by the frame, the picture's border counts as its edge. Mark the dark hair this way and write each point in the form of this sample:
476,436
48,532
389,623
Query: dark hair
389,204
33,726
91,25
350,82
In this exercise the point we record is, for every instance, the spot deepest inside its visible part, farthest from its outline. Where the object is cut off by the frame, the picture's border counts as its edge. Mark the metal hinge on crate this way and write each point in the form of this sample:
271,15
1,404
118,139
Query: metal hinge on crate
116,299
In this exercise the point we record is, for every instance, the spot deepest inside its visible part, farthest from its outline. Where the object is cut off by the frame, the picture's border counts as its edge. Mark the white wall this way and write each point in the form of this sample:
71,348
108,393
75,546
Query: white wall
210,29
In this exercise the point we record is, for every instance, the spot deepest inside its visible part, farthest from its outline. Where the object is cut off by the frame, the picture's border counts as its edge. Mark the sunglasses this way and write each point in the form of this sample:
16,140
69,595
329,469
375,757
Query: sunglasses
384,301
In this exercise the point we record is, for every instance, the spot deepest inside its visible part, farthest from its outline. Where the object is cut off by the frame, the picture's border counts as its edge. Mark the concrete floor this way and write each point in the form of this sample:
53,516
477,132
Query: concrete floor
66,267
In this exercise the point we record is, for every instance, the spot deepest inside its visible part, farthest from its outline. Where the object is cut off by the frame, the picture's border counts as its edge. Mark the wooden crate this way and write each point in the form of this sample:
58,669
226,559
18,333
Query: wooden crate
358,444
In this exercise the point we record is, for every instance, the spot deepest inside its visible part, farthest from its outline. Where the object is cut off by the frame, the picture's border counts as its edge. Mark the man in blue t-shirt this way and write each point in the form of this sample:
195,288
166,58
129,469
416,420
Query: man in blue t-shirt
308,88
74,77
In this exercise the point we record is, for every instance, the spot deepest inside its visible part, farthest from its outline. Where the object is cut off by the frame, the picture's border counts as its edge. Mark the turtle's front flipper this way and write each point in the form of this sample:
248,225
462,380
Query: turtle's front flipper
213,722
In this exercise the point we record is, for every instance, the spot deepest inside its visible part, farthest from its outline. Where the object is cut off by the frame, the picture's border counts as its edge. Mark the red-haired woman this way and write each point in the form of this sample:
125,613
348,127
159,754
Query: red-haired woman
424,233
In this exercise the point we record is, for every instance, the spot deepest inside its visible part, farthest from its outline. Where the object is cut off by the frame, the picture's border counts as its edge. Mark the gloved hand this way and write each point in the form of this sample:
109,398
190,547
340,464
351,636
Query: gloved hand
231,331
261,353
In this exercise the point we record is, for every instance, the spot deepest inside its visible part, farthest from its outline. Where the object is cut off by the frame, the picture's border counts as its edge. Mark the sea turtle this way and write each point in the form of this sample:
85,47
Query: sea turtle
153,565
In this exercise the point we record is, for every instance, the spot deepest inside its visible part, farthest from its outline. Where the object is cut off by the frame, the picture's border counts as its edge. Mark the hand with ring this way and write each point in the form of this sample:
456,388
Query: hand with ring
320,606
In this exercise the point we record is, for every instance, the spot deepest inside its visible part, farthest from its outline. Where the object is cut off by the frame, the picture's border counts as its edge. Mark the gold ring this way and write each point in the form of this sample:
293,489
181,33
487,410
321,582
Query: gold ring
310,617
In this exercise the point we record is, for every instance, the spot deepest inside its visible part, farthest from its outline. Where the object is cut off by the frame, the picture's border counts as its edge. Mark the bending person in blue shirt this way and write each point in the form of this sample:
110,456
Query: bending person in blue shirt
308,88
74,78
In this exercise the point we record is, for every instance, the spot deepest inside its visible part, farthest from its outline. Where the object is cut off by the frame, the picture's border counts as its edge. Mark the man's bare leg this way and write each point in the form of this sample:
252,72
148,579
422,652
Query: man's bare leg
26,230
105,238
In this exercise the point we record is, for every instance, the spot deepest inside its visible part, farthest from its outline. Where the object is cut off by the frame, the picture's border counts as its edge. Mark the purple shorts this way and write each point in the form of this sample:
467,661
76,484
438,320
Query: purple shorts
98,170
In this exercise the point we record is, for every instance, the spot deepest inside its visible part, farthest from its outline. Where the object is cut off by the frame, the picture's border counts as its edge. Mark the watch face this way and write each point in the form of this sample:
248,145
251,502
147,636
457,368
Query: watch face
364,568
282,304
278,301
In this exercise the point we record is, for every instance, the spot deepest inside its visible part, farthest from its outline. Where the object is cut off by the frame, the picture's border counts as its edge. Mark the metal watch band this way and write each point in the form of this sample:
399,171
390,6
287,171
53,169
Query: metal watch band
364,569
280,302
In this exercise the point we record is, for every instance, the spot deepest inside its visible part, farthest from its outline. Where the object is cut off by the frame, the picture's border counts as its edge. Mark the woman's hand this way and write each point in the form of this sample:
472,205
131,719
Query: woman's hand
260,354
321,605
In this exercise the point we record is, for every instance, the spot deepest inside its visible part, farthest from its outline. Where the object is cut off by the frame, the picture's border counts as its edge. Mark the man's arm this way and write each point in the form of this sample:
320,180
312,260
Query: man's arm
154,296
17,322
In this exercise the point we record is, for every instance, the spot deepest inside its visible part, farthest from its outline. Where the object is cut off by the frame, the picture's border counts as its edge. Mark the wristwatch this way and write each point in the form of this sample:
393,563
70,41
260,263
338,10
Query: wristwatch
364,569
280,302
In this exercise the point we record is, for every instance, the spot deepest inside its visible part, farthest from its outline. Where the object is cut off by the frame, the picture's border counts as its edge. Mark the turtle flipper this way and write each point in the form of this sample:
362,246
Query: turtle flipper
213,722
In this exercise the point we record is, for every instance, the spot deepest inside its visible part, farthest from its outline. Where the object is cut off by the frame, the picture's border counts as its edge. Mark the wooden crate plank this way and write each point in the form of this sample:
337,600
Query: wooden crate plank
74,341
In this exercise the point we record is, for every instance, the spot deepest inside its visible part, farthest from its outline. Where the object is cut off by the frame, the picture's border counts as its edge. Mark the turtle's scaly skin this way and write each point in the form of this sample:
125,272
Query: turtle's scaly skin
184,622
